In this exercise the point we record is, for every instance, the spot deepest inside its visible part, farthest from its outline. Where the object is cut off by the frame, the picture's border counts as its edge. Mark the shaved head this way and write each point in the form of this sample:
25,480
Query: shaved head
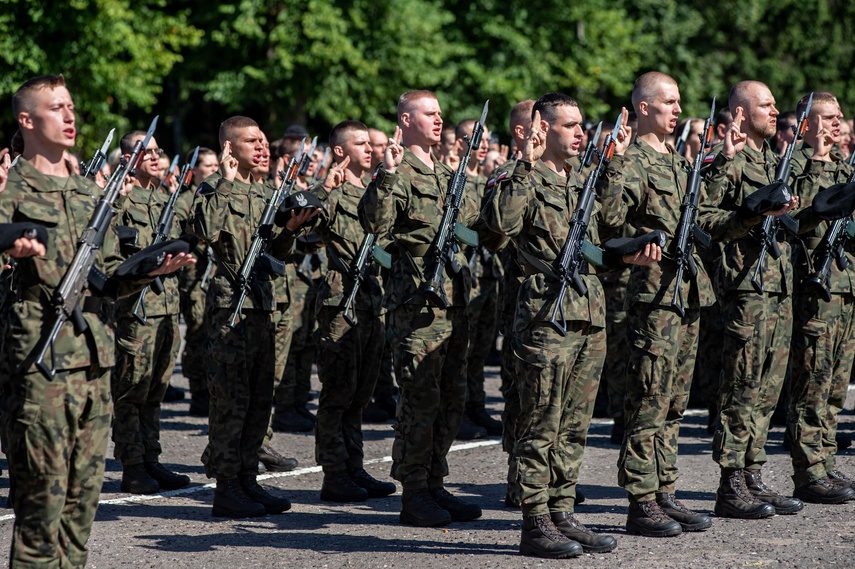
233,124
410,98
647,87
742,93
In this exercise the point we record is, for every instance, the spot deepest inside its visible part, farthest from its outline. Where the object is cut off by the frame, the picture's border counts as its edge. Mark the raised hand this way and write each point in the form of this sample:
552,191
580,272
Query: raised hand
624,135
336,176
5,166
820,138
228,163
394,151
172,264
453,158
504,153
298,219
651,253
535,140
734,138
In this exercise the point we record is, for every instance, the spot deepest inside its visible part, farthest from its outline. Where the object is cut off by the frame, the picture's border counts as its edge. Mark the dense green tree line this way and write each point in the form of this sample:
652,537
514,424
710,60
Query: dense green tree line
316,62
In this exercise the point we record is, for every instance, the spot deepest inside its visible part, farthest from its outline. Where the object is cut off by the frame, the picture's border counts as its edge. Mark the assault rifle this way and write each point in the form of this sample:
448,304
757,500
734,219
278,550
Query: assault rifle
444,247
568,265
368,251
164,226
769,230
257,258
680,143
688,232
66,297
89,169
591,149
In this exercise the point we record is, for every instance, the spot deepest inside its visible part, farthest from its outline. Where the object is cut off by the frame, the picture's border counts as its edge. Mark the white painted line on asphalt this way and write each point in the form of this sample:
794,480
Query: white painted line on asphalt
297,472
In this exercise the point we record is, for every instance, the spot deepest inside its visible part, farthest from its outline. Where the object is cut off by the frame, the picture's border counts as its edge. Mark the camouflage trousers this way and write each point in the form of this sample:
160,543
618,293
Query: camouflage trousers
429,347
509,381
385,378
145,357
658,378
56,441
757,333
296,383
821,364
483,319
194,364
283,331
347,371
240,380
617,348
708,365
559,377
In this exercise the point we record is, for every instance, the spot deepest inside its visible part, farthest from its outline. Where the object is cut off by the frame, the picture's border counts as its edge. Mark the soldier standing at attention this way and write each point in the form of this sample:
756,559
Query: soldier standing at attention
558,374
55,431
350,354
823,330
240,359
406,200
145,350
757,325
652,177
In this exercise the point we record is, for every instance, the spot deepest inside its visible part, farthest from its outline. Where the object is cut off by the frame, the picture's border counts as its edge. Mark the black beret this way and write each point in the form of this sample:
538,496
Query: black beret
835,202
621,246
300,200
139,265
768,198
11,232
128,239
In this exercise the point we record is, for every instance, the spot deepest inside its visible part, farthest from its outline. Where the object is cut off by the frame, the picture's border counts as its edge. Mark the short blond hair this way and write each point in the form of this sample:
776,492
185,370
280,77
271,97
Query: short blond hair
408,99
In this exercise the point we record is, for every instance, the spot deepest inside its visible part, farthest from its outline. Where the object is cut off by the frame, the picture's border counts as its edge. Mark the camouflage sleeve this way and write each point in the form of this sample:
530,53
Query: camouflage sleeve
214,196
506,212
716,216
377,208
618,192
806,183
492,240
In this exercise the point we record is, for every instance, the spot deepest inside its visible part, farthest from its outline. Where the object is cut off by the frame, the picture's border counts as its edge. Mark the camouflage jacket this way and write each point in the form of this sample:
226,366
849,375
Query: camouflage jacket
141,210
227,215
730,181
812,177
653,185
536,210
408,205
64,206
342,234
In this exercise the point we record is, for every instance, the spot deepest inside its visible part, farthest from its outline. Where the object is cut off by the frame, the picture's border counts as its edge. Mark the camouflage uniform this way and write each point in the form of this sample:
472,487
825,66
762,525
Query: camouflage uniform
145,353
558,374
240,360
823,332
429,344
55,431
350,355
757,327
309,266
284,331
617,341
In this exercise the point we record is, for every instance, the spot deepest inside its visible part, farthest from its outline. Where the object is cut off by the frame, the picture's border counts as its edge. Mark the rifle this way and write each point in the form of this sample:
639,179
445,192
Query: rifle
591,149
256,253
369,251
209,268
830,250
66,297
444,248
568,265
688,232
89,169
680,143
164,225
769,230
167,177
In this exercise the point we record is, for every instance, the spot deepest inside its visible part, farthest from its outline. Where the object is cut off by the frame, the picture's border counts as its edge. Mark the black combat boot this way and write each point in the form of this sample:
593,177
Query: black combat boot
374,414
591,542
259,494
540,538
841,479
733,499
173,394
374,487
200,404
460,511
580,496
470,431
479,415
135,480
618,431
275,462
824,491
674,509
782,504
647,519
167,479
418,508
288,420
338,487
230,501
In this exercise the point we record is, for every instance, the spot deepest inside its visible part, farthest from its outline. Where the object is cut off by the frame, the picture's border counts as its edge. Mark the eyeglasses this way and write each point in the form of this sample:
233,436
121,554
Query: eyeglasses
154,153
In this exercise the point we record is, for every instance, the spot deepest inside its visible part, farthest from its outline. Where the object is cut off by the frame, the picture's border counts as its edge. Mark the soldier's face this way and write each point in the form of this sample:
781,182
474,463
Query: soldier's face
663,110
845,133
357,147
761,114
263,167
379,141
423,123
206,164
248,147
831,118
150,164
565,131
51,118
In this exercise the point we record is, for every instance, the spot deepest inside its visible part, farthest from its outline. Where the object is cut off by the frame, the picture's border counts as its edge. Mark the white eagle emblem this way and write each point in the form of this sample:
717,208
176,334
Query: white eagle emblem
301,200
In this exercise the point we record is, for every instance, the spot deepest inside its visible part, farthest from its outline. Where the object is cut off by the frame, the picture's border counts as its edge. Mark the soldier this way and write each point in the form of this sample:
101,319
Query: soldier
651,176
379,140
405,200
823,330
784,134
350,359
240,359
147,340
757,326
558,373
56,431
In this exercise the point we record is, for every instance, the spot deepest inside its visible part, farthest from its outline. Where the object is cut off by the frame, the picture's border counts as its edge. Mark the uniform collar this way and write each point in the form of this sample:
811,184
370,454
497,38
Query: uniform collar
44,183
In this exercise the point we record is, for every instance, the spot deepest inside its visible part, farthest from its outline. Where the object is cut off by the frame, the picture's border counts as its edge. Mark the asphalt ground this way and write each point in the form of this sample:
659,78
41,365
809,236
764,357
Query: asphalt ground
175,529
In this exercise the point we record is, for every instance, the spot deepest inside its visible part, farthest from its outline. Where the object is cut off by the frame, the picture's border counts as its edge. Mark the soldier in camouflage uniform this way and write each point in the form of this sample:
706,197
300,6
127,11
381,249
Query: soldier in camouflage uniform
405,200
55,431
350,355
147,341
240,365
191,293
758,326
652,178
823,331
